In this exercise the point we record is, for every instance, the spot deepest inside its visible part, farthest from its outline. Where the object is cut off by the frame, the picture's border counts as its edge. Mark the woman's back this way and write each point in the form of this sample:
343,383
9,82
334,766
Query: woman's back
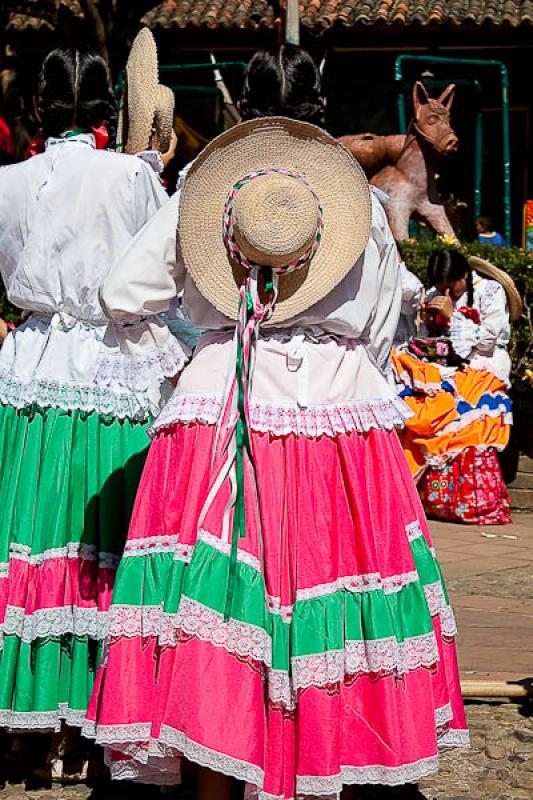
65,216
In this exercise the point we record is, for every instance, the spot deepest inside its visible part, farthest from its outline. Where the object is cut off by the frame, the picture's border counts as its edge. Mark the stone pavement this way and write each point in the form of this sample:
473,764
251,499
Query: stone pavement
489,573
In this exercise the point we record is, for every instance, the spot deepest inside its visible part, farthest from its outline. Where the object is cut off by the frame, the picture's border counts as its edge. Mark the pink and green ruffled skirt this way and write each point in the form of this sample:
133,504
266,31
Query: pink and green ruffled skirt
67,487
335,663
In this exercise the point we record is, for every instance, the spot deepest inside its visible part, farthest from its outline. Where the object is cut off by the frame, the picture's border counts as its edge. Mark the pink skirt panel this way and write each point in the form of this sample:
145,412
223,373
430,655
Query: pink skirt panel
56,583
349,518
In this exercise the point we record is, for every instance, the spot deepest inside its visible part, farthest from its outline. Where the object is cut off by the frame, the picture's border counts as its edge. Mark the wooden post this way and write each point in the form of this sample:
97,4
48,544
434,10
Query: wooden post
491,688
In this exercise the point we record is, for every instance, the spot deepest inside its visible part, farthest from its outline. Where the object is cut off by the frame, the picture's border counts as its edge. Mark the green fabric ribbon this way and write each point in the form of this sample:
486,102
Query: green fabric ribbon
243,443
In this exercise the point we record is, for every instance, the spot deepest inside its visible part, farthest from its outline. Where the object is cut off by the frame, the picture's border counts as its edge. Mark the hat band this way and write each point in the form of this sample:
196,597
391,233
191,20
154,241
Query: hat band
231,242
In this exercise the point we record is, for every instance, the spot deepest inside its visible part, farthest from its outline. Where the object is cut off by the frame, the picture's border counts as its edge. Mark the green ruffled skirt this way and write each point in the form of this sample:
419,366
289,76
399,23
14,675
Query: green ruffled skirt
67,485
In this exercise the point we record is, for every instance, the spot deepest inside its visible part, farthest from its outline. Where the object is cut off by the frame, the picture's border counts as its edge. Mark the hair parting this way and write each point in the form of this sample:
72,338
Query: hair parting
283,81
75,91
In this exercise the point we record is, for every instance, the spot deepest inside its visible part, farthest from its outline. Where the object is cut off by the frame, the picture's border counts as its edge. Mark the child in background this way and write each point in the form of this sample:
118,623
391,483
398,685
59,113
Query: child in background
486,233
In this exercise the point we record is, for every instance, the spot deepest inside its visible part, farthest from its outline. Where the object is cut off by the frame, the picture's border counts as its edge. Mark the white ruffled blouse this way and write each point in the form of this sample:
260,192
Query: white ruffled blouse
65,216
322,372
483,344
412,291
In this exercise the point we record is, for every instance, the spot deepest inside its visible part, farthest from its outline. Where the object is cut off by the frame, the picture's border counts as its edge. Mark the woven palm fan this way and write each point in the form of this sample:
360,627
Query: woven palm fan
488,270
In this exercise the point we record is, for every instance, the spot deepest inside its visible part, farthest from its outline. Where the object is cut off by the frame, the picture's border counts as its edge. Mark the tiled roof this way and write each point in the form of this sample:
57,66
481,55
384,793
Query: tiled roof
319,15
211,14
22,17
46,8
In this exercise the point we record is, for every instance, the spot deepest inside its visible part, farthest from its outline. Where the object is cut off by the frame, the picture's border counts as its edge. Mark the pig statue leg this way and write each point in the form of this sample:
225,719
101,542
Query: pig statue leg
435,215
398,213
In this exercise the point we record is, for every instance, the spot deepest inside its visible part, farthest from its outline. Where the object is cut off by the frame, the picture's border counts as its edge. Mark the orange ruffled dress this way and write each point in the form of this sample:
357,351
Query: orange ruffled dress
462,417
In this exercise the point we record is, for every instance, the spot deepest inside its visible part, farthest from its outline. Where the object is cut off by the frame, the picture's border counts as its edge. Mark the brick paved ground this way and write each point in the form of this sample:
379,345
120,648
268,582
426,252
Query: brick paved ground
489,572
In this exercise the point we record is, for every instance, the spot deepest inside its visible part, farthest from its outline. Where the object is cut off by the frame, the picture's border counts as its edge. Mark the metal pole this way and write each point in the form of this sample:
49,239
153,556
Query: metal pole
478,165
398,77
292,23
506,153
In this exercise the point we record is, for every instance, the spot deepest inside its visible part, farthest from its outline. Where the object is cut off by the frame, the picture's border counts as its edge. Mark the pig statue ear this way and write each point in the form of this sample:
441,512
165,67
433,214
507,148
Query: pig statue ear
447,96
420,96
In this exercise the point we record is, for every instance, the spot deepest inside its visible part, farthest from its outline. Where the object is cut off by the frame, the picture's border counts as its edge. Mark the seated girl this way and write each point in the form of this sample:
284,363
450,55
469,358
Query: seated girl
455,380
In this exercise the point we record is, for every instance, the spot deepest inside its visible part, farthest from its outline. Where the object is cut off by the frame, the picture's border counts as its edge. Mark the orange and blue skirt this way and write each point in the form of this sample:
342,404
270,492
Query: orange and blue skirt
461,420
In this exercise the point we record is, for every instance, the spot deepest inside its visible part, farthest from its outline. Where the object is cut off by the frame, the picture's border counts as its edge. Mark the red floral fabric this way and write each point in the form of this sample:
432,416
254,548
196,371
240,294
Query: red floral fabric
468,489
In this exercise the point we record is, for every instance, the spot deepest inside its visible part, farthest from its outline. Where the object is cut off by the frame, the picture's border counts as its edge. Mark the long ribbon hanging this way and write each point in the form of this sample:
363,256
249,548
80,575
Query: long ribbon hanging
251,314
235,444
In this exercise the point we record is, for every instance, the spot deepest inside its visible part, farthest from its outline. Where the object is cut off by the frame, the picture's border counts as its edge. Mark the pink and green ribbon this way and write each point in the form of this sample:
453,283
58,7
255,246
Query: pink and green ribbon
237,444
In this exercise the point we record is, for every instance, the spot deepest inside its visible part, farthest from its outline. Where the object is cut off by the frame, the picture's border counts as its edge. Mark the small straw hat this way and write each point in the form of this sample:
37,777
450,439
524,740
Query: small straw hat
300,203
488,270
150,106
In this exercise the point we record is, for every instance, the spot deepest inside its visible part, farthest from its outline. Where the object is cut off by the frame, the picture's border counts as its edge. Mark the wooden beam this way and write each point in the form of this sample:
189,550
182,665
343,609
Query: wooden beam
490,688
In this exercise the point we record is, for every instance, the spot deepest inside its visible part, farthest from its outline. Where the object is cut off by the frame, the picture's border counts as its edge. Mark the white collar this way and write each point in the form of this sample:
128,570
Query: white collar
79,138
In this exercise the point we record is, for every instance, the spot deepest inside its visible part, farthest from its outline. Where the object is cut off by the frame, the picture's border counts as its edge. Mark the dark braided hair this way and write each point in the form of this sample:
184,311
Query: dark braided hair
75,92
445,266
282,81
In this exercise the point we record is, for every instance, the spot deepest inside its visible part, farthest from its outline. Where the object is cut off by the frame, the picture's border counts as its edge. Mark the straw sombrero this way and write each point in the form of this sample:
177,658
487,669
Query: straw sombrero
488,270
288,196
150,106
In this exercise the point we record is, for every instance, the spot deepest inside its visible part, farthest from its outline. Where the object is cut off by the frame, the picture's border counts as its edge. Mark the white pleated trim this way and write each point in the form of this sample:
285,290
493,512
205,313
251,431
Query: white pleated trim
404,379
47,393
477,413
452,737
442,460
138,372
283,419
156,545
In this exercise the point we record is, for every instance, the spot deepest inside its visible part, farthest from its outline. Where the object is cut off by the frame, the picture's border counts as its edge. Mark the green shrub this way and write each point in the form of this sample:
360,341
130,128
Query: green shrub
7,311
515,262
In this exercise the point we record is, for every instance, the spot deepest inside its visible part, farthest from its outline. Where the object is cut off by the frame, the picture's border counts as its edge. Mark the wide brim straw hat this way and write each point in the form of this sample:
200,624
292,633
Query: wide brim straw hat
150,106
488,270
274,143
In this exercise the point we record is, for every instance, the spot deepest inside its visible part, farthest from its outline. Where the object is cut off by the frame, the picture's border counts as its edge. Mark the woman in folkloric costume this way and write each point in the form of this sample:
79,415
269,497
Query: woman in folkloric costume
456,382
279,615
74,405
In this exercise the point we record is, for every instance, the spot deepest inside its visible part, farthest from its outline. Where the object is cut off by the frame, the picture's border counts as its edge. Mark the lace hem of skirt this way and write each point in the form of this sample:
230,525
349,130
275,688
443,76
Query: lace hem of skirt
283,419
45,392
158,762
41,720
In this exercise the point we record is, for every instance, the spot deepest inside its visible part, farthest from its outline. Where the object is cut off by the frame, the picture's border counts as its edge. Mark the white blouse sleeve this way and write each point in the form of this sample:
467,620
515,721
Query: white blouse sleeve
389,296
147,276
412,289
148,195
494,328
141,284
